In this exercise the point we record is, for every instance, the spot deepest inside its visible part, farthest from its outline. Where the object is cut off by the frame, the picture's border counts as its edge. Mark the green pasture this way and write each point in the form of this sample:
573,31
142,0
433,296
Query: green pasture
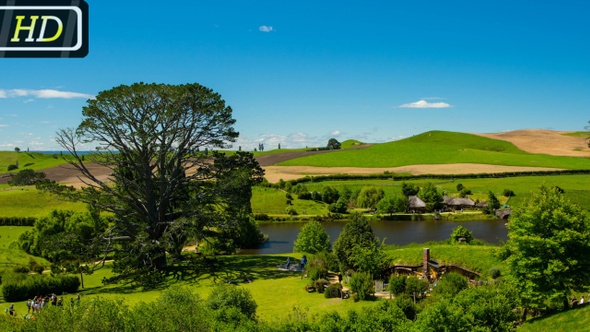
8,234
273,201
439,147
28,160
29,202
583,134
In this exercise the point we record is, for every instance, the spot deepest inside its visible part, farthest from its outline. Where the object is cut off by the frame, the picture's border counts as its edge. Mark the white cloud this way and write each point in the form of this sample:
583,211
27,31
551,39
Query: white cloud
336,132
424,104
45,93
265,28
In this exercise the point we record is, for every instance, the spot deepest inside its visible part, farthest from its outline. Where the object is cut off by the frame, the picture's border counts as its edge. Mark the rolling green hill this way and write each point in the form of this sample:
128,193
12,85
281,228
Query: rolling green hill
28,160
439,147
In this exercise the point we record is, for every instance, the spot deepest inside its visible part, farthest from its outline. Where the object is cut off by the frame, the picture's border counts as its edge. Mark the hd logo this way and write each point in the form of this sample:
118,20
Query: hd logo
43,28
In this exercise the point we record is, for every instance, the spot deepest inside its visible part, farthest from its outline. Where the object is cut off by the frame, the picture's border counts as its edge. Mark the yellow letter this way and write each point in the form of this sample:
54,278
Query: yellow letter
60,28
19,27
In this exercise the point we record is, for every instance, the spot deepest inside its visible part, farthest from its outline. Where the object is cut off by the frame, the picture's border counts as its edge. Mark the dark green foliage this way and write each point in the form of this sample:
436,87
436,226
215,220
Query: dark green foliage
368,197
17,221
493,201
358,248
460,186
340,206
316,196
508,193
392,205
224,297
361,283
495,273
465,192
37,285
461,232
333,144
407,306
431,196
450,285
409,189
327,260
64,235
415,286
26,177
312,238
291,211
548,248
397,284
317,272
333,291
320,285
330,195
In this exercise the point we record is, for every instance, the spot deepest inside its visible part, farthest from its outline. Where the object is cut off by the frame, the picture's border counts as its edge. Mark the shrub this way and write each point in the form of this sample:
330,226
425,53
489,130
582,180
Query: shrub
508,193
318,272
327,260
397,284
407,306
320,285
261,216
334,290
12,167
451,284
225,297
461,232
460,187
21,269
290,211
495,273
362,284
312,238
416,286
36,285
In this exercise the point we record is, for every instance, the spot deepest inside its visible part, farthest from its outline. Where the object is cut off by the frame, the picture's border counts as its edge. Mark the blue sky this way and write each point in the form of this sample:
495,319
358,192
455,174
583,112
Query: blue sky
299,72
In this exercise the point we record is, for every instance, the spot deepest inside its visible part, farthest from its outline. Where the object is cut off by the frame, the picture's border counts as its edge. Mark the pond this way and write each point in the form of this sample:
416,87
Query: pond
282,235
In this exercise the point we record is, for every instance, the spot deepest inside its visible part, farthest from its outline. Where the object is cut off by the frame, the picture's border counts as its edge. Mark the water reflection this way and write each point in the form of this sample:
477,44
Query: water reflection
282,235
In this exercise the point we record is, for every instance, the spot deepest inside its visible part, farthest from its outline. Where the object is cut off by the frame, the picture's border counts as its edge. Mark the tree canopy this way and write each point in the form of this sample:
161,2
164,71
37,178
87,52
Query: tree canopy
333,144
163,186
548,248
358,248
312,238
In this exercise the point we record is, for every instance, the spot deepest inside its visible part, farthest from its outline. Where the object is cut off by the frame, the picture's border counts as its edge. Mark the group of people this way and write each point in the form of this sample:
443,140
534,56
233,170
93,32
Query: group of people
39,302
302,263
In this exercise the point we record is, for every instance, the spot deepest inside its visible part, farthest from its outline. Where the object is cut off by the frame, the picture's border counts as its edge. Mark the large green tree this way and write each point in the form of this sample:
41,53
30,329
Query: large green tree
548,248
369,197
312,238
162,186
357,247
431,196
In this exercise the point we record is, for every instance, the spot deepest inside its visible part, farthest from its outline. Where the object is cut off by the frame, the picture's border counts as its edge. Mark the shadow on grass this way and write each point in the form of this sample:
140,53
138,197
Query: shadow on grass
234,269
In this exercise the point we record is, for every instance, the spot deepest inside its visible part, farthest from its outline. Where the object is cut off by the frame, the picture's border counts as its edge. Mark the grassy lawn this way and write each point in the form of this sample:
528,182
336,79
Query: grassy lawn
571,320
29,202
274,202
438,147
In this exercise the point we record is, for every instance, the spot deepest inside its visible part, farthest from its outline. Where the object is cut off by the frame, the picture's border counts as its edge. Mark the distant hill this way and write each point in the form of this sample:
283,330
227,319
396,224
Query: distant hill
439,147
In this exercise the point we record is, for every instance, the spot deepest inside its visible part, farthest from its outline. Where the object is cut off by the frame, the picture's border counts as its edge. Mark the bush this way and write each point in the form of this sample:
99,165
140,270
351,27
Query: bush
407,306
12,167
33,286
225,297
495,273
508,193
333,291
416,286
362,285
451,284
461,232
320,285
318,272
397,284
327,260
290,211
312,238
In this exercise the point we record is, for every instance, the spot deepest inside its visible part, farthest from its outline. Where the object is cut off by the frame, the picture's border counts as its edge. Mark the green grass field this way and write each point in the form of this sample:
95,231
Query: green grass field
29,202
439,147
33,160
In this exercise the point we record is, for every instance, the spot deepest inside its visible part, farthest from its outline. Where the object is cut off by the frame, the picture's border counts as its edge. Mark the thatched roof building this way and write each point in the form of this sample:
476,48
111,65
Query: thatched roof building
458,202
415,203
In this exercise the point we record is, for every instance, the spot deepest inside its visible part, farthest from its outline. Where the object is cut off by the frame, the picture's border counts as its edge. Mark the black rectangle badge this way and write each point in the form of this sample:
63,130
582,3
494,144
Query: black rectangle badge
43,29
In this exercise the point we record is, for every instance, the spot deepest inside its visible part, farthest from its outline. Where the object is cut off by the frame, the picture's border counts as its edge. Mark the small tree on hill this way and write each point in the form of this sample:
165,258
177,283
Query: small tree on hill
333,144
357,245
430,195
369,197
461,232
409,189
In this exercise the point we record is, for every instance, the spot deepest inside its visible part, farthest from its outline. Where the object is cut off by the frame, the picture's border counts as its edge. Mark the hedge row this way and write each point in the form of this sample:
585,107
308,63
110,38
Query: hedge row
406,177
17,221
39,285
